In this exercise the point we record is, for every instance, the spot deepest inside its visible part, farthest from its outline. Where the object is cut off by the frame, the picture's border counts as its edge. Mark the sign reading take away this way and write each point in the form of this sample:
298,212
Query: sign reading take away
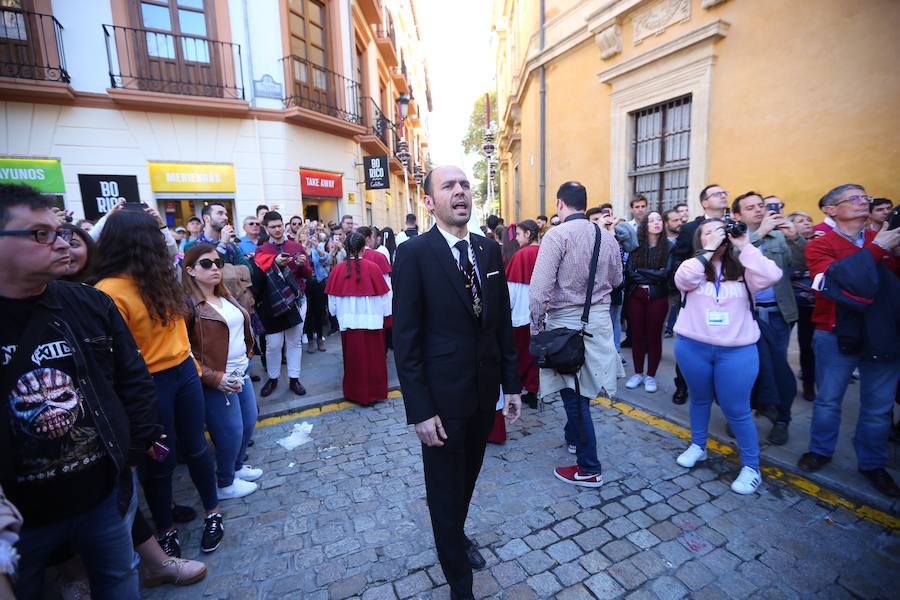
183,177
42,174
321,184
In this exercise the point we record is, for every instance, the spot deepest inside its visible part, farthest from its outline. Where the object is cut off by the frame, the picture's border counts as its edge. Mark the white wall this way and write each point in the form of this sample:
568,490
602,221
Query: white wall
84,42
263,47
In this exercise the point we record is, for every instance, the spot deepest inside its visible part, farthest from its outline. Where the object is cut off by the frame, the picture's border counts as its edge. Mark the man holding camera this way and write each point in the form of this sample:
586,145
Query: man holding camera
776,307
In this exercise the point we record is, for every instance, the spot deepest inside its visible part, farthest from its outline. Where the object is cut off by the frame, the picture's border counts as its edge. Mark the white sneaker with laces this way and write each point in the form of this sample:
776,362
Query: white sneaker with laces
747,482
691,456
238,489
650,384
634,381
248,473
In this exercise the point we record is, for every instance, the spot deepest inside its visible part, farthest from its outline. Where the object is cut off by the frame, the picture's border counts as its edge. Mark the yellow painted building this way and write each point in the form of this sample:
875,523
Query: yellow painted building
661,97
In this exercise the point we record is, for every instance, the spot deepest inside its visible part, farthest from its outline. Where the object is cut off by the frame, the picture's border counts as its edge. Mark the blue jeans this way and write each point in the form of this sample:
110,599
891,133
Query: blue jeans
579,430
674,307
780,328
103,540
727,374
231,420
181,410
877,387
615,315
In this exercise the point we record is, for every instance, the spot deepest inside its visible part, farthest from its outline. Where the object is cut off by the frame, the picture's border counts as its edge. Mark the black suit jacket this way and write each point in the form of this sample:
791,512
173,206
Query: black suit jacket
450,364
684,244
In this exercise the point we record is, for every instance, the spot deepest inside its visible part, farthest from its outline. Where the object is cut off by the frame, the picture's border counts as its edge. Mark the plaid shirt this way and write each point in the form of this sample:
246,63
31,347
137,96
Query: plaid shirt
563,265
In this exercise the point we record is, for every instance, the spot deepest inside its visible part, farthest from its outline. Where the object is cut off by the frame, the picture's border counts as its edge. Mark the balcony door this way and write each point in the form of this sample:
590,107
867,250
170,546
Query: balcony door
312,80
21,32
177,50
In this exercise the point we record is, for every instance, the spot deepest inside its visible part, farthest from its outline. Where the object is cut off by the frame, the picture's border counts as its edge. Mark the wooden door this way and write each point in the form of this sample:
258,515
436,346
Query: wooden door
176,47
19,53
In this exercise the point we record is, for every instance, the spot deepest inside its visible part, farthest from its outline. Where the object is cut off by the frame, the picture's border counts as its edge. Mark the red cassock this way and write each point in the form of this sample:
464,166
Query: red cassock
379,259
359,308
519,270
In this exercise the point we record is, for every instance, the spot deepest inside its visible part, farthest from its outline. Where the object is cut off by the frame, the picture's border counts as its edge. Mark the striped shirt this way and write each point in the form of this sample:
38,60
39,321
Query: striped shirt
563,265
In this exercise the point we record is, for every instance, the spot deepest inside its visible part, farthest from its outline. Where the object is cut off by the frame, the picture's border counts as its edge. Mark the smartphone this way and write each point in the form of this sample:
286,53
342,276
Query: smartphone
775,207
159,452
894,218
132,205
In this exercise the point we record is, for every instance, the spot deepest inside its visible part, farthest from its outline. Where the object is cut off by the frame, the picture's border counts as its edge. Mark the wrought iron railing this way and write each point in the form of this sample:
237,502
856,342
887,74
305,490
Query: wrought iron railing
322,90
31,46
140,59
387,30
377,123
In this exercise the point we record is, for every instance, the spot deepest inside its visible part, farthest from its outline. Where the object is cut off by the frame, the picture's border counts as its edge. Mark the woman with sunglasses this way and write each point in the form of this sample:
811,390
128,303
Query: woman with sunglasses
136,271
223,344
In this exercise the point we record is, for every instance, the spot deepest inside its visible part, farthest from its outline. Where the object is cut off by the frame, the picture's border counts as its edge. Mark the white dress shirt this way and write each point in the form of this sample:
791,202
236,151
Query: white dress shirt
452,240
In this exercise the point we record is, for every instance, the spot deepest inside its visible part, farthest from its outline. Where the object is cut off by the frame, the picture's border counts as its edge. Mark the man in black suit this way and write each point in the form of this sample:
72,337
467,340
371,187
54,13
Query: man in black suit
454,348
714,201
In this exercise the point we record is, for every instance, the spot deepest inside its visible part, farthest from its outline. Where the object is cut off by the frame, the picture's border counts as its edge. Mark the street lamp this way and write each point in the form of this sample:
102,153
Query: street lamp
402,149
488,148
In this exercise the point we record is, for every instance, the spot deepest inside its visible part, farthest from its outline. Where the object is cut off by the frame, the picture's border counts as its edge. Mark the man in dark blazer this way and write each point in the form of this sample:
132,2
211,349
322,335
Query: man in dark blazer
453,346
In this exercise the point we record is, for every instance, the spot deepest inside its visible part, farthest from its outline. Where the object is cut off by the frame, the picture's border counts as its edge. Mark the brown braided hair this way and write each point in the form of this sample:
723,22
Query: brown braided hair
356,243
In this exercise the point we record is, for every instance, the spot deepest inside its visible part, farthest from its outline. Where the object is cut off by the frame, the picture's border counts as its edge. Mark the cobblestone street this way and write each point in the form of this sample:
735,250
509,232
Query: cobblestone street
345,517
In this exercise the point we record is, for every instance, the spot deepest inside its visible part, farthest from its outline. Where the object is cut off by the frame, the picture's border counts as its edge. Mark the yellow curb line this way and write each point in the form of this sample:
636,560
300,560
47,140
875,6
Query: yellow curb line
802,484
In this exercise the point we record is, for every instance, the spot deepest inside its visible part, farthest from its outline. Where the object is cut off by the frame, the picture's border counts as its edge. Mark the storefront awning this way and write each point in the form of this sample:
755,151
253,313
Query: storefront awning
45,175
191,178
321,184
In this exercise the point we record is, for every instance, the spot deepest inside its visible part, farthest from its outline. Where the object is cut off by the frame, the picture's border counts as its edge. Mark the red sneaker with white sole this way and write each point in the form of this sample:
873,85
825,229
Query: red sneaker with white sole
575,477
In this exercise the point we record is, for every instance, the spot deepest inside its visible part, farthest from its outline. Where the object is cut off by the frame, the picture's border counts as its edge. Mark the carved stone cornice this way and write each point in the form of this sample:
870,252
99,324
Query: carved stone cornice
708,4
656,18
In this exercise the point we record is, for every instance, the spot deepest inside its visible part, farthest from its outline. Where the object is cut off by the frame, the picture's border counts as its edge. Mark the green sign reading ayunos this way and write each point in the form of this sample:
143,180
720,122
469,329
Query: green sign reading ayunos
43,175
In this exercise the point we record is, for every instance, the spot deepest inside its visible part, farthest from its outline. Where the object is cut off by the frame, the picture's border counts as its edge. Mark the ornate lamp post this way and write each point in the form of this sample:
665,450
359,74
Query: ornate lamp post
488,149
402,148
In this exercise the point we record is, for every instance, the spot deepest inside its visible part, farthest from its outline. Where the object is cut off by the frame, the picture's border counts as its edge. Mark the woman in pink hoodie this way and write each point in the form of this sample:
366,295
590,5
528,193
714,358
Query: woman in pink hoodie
716,339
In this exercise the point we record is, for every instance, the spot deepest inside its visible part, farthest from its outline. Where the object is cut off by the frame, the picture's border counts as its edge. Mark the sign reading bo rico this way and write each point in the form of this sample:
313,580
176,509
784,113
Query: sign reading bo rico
376,172
99,193
320,184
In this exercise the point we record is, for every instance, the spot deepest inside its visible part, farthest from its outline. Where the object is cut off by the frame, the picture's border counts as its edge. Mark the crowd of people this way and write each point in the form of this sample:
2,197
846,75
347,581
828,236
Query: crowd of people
127,342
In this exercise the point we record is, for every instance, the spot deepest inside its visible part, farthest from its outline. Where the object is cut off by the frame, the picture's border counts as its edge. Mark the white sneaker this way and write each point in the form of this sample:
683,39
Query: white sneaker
747,482
634,381
691,456
650,384
248,473
238,489
571,448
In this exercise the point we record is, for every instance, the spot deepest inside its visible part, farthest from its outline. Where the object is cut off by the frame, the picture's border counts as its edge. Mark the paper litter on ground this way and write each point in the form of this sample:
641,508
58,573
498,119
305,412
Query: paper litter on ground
298,437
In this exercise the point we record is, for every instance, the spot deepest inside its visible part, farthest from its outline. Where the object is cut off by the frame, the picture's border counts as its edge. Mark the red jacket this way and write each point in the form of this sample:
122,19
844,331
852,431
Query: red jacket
822,251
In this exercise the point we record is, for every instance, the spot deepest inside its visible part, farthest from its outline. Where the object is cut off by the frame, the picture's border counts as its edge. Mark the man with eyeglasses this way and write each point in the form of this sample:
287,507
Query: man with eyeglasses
79,407
854,271
250,241
714,201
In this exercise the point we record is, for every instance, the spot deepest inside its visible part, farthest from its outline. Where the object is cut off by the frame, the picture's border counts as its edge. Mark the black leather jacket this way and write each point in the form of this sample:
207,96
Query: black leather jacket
118,389
657,280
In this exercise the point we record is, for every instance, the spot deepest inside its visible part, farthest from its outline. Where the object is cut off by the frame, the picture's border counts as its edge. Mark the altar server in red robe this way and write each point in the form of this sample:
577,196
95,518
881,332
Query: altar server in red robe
518,279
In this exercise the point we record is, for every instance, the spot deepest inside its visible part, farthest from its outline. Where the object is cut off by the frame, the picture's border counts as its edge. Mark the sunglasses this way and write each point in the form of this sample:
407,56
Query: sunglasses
253,224
207,263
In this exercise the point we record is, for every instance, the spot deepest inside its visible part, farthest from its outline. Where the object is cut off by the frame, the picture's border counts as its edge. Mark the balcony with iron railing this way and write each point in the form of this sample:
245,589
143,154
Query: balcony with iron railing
376,139
400,77
386,40
322,98
32,58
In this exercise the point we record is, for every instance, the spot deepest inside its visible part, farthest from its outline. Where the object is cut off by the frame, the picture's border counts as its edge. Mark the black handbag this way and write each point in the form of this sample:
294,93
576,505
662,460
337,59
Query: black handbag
562,349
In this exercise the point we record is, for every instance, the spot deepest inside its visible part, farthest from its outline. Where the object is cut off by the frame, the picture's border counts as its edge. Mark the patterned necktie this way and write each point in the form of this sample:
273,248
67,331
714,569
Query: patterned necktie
471,280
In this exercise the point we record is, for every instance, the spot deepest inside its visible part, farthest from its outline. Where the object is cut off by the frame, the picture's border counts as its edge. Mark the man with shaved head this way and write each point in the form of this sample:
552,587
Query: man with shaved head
454,348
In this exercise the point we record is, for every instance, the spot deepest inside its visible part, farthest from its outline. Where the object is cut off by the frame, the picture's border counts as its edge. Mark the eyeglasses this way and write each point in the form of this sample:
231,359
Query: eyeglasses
723,193
207,263
252,224
857,200
42,236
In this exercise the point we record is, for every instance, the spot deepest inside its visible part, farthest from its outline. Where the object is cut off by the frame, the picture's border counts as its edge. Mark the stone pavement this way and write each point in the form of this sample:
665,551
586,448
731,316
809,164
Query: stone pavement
345,517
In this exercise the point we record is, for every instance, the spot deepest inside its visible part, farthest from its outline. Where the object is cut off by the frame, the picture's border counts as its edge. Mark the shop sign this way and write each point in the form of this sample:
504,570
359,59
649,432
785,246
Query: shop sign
42,174
183,177
376,172
321,184
99,193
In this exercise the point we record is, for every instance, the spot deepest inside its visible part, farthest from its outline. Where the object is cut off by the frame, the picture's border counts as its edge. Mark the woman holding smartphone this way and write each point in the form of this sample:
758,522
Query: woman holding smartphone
136,271
716,334
222,342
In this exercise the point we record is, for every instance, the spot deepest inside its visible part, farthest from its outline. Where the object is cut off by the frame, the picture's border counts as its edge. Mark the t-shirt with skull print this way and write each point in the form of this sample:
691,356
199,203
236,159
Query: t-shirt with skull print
61,466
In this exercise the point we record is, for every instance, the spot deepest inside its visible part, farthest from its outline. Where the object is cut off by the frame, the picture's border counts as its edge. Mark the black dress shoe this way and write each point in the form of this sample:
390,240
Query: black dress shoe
297,387
882,481
530,400
254,378
812,462
476,560
680,396
268,388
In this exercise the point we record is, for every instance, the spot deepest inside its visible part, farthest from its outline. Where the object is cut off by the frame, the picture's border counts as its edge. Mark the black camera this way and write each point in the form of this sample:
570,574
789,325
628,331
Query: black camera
734,228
